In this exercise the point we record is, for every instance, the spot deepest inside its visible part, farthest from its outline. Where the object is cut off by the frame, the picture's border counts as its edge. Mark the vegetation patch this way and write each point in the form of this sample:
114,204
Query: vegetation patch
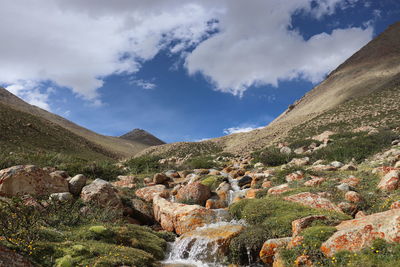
212,181
271,156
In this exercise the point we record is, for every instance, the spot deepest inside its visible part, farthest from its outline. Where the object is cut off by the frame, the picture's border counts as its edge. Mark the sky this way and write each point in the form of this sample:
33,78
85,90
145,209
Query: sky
182,70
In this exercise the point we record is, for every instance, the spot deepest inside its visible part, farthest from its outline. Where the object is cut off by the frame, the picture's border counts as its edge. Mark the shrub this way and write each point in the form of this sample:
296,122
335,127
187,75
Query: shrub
271,156
200,162
144,164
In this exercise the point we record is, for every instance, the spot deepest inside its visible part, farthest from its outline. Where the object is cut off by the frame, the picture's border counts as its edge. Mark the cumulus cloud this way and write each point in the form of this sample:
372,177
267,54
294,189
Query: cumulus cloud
76,44
147,85
31,93
240,129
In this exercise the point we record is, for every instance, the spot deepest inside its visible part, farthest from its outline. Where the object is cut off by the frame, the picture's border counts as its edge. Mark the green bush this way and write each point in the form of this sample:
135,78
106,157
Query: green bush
200,162
271,156
359,146
144,164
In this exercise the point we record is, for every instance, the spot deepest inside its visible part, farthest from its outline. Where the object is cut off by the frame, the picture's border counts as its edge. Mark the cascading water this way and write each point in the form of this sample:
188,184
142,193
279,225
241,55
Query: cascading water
235,190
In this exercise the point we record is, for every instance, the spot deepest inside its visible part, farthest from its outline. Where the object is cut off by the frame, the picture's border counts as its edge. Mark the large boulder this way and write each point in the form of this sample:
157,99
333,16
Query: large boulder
354,235
125,181
390,181
181,218
214,243
76,184
9,258
102,194
149,192
313,201
142,211
32,180
280,189
195,193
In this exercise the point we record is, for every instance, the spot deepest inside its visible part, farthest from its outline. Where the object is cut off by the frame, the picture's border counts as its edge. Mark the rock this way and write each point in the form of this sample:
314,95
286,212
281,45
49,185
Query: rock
343,187
127,181
337,164
172,174
354,235
76,184
183,174
201,171
323,168
352,196
280,189
360,214
160,178
62,197
286,150
301,224
323,137
192,178
270,248
181,218
142,211
397,165
300,150
347,207
147,180
175,190
216,204
266,184
259,165
252,193
148,193
348,167
395,205
313,201
390,181
214,242
29,179
195,193
245,180
315,181
9,258
296,176
351,181
60,174
102,194
300,162
237,173
303,260
223,190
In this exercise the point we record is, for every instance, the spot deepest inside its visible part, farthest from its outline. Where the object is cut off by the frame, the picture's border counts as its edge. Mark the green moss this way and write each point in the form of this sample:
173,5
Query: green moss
66,261
212,181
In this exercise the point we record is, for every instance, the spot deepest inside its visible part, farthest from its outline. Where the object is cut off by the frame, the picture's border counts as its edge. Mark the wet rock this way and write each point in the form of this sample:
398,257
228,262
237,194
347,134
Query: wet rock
160,178
245,180
313,201
195,193
216,204
148,193
32,180
76,184
102,194
192,178
354,235
353,197
315,181
181,218
271,247
301,224
280,189
223,190
390,181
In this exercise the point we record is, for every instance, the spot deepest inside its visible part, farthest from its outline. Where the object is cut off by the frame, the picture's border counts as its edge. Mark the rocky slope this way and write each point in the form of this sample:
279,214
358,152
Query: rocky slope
142,136
370,74
120,147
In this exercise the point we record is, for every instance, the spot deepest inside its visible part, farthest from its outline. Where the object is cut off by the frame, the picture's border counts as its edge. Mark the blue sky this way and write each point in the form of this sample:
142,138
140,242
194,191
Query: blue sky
181,72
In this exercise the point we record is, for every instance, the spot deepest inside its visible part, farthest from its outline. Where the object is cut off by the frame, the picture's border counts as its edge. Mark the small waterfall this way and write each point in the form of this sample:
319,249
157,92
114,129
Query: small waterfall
236,191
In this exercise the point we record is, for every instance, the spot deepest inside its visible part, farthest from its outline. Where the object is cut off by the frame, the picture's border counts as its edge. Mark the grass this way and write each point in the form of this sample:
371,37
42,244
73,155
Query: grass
270,217
271,156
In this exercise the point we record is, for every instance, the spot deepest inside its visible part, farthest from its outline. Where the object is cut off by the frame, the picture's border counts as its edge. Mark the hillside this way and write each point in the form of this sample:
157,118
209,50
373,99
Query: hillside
142,136
361,91
119,147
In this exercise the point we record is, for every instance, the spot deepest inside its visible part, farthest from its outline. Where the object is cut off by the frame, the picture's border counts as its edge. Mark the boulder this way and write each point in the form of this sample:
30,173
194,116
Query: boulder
323,168
313,201
343,187
32,180
252,193
76,184
351,181
245,180
280,189
266,184
353,197
9,258
62,197
223,190
300,224
149,192
181,218
390,181
216,204
300,162
395,205
102,194
323,137
142,211
296,176
337,164
128,181
354,235
160,178
315,181
195,193
271,247
348,167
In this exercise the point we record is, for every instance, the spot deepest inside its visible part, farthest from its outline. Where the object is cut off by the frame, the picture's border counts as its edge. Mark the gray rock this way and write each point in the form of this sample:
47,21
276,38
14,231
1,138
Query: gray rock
343,187
66,196
76,184
337,164
286,150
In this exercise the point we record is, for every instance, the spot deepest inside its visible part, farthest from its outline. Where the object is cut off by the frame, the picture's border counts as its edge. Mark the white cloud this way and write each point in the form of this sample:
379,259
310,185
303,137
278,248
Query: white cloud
76,44
147,85
31,93
240,129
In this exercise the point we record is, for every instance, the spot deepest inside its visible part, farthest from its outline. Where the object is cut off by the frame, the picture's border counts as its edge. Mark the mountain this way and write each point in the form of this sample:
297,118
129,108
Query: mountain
140,135
119,147
364,90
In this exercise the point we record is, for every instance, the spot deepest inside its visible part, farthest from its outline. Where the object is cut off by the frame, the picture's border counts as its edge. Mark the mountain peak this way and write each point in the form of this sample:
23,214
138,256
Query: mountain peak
142,136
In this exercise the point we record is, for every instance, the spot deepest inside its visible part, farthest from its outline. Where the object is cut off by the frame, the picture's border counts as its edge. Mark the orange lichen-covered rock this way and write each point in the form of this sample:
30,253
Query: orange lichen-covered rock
314,201
300,224
216,204
356,234
395,205
149,192
195,192
315,181
352,196
280,189
296,176
181,218
390,181
252,193
303,260
270,248
351,181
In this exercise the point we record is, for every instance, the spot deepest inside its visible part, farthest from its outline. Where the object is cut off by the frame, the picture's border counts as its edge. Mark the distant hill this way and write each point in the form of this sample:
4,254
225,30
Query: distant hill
364,90
119,147
142,136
